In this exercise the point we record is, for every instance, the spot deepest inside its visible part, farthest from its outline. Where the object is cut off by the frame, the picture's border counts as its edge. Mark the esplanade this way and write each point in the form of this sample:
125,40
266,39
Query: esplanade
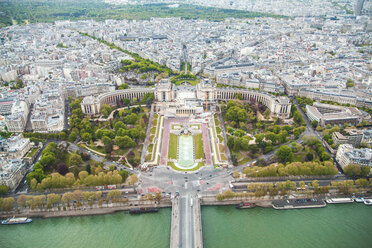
186,99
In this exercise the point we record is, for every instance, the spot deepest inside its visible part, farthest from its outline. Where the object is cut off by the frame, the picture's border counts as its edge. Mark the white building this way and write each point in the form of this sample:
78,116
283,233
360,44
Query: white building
346,155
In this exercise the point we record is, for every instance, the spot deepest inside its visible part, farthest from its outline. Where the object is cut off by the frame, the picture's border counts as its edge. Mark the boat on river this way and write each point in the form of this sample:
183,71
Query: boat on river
245,205
368,202
339,200
20,220
143,210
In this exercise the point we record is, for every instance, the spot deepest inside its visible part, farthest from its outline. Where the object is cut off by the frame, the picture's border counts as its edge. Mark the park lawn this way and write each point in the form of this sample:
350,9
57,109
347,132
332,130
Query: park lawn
238,155
220,138
199,152
148,157
192,82
32,153
155,122
218,130
171,164
150,148
172,152
121,151
153,130
216,121
95,148
243,161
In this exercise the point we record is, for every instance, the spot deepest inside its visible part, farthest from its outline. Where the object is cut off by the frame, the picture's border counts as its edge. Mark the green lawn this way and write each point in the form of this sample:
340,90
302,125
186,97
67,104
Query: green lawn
192,82
153,130
218,130
172,152
199,152
150,148
171,164
32,153
148,157
243,161
220,138
216,121
155,122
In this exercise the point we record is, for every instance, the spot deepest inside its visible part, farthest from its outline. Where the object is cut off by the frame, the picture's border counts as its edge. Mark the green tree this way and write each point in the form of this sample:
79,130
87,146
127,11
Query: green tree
4,189
72,137
131,118
76,160
123,86
284,153
124,142
124,175
118,125
365,170
87,137
352,170
314,123
105,110
106,140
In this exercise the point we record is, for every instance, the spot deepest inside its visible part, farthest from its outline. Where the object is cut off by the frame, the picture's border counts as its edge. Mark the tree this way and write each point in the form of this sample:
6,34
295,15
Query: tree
76,160
62,136
284,153
158,197
4,189
123,86
124,175
112,167
297,118
62,169
124,142
106,140
119,125
133,179
72,137
266,113
6,204
126,102
352,170
105,110
131,118
309,156
259,139
298,131
86,137
314,123
365,170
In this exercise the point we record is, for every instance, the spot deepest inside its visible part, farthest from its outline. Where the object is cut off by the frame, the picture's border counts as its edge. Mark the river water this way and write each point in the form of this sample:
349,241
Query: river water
345,225
120,230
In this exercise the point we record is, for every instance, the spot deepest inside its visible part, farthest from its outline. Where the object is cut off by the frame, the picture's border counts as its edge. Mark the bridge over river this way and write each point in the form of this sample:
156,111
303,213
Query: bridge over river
186,226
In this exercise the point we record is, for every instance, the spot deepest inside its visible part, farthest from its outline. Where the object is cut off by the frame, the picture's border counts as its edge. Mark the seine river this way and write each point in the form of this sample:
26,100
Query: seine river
345,225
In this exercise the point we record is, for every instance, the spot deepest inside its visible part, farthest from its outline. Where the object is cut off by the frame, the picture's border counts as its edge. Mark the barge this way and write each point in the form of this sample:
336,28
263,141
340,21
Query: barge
339,200
143,210
20,220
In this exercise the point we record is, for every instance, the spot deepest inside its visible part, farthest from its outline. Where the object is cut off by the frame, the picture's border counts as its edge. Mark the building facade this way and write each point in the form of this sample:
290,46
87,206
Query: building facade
203,94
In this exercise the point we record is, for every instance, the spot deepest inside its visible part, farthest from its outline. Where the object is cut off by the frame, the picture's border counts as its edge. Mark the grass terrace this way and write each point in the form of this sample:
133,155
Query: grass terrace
199,152
31,153
172,152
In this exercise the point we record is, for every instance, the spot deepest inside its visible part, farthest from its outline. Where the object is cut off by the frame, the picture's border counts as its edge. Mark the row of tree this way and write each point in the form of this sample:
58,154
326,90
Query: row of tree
55,180
292,169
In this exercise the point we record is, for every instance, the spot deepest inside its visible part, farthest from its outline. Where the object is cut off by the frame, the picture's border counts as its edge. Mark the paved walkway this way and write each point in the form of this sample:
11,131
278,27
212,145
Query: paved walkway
206,144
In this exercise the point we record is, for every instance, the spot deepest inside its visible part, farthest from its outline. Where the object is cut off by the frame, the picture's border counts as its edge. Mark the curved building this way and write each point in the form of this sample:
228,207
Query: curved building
186,99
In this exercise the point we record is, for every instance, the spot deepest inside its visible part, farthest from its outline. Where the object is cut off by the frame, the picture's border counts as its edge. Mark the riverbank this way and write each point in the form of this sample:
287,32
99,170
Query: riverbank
85,211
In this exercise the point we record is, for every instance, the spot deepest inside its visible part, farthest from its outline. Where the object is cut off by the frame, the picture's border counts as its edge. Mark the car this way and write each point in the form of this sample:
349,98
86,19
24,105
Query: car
185,177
